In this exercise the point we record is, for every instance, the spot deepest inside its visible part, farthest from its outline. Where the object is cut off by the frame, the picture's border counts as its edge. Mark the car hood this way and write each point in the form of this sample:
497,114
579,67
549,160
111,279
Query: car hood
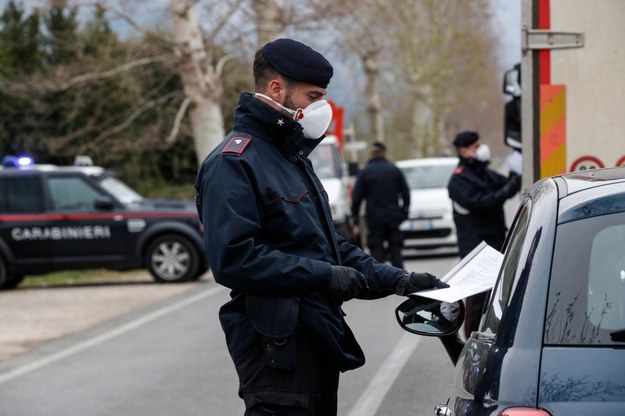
429,202
166,204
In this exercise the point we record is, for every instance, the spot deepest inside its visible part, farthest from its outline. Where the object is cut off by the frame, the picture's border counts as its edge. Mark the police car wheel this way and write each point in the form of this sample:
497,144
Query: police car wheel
172,258
201,270
3,273
13,281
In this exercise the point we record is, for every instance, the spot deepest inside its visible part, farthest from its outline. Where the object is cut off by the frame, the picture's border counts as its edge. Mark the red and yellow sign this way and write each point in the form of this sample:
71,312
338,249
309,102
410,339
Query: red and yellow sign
552,130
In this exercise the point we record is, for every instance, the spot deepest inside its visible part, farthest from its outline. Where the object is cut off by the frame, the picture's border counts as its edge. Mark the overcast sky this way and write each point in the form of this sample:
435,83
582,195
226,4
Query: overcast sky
507,24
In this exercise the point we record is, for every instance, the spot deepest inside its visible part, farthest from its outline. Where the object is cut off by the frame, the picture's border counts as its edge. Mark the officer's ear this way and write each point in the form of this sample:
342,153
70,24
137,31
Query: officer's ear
275,89
464,152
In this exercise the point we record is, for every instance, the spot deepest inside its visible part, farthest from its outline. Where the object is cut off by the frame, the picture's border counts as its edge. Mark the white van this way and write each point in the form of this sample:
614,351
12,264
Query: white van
332,171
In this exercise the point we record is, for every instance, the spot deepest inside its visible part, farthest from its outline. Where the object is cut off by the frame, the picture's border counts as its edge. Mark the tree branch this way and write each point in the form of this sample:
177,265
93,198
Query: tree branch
146,106
181,112
112,72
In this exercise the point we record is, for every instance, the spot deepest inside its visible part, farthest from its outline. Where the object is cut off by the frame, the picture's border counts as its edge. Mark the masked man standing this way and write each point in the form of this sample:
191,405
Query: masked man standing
382,185
269,236
478,195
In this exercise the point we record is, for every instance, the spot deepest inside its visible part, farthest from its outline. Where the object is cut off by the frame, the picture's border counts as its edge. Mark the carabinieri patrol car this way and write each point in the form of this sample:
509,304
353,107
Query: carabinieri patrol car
77,217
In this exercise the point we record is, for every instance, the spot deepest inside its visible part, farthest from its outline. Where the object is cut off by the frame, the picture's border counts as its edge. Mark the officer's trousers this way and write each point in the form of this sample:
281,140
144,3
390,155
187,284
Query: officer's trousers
377,234
308,389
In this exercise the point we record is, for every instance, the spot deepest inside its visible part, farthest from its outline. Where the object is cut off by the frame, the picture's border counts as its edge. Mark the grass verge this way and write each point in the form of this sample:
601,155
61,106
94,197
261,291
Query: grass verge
77,277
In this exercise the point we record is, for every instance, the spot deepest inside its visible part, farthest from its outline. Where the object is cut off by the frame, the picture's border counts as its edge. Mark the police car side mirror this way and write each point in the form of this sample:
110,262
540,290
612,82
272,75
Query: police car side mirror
104,203
353,168
423,316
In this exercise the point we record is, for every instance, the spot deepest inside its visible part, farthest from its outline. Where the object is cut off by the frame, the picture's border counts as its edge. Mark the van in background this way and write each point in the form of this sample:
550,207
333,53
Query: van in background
331,169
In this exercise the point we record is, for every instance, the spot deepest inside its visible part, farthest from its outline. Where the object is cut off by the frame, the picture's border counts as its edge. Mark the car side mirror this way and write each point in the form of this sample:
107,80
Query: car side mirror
423,316
104,203
353,168
512,109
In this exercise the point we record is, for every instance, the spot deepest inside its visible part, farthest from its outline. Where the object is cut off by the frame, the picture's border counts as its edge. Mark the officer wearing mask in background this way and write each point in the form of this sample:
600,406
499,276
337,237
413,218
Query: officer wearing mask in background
478,195
382,184
269,236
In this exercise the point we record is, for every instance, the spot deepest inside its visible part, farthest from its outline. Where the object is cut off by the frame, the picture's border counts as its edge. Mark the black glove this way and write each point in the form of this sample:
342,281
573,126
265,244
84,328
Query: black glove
513,185
347,283
414,282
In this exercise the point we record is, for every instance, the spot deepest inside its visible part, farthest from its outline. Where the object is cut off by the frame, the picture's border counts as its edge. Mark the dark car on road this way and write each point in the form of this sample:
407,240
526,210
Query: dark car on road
82,217
551,340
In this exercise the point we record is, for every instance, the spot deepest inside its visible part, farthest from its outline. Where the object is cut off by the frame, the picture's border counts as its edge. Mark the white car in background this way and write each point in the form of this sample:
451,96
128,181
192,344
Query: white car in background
331,169
430,222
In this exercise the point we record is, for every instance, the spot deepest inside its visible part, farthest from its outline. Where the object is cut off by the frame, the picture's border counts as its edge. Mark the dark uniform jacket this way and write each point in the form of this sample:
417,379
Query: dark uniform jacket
269,236
478,196
381,183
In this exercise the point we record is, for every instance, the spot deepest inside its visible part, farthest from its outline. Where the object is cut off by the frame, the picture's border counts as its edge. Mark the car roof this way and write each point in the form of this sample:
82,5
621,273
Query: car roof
590,193
582,180
427,161
87,170
329,139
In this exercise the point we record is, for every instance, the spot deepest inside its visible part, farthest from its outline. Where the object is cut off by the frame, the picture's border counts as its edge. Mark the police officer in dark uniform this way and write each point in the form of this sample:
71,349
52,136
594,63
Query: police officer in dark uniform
269,236
478,195
382,184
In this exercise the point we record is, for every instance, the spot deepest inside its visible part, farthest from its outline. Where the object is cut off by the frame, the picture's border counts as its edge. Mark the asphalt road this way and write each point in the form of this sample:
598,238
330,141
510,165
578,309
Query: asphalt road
169,358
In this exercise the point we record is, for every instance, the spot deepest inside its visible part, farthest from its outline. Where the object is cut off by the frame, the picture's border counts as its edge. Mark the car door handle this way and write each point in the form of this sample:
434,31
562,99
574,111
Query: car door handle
441,410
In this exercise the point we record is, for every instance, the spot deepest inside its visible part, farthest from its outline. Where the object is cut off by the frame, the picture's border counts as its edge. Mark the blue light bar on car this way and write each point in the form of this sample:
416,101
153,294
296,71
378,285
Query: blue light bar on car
16,161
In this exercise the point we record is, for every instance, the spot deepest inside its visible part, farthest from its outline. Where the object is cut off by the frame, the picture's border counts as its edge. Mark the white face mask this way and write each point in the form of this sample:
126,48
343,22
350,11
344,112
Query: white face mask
314,119
482,153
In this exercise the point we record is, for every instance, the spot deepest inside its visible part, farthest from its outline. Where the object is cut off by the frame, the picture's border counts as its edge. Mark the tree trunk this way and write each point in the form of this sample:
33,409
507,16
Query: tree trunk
269,20
202,83
374,107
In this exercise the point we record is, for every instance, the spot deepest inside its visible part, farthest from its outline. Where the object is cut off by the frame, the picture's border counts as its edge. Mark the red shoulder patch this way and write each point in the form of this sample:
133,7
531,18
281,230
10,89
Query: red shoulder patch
237,144
459,170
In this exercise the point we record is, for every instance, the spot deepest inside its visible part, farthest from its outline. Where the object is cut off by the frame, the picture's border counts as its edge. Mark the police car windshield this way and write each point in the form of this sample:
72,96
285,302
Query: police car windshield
325,161
124,193
430,176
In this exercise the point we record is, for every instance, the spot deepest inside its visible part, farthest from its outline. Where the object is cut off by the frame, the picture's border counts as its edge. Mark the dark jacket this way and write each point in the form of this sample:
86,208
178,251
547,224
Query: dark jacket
381,183
478,196
269,236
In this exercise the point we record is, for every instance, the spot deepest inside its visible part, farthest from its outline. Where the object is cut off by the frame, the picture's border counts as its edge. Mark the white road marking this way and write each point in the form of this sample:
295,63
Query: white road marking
371,399
10,375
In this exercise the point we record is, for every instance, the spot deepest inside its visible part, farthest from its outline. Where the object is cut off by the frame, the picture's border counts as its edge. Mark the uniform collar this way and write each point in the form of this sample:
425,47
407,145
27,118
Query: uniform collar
474,164
264,122
377,159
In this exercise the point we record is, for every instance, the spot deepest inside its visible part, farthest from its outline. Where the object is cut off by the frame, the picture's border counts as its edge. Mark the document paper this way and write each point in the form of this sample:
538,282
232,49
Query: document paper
475,273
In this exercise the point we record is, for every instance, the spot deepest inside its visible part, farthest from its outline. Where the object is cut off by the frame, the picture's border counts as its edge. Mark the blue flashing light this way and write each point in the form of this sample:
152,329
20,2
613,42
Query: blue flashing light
17,161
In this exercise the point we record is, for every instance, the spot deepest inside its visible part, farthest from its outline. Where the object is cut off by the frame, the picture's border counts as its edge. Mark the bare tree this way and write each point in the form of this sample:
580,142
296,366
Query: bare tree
270,19
361,28
440,50
202,80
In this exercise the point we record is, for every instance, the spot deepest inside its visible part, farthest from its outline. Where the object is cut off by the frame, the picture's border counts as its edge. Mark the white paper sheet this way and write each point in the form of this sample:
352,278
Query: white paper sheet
475,273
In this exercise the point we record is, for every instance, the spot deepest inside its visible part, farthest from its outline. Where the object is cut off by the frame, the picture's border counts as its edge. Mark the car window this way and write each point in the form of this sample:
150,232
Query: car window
21,195
120,190
587,291
326,161
71,193
510,270
428,176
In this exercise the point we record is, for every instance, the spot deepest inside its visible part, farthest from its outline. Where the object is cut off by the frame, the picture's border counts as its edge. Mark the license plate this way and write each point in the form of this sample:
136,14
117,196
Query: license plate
420,225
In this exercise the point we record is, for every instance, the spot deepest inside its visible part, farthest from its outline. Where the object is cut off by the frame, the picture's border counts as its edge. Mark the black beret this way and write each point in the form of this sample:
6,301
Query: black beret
466,138
378,146
297,61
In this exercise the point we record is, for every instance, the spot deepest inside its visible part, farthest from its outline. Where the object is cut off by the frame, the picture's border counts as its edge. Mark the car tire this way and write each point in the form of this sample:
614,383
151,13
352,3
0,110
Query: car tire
201,270
3,273
172,258
13,281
